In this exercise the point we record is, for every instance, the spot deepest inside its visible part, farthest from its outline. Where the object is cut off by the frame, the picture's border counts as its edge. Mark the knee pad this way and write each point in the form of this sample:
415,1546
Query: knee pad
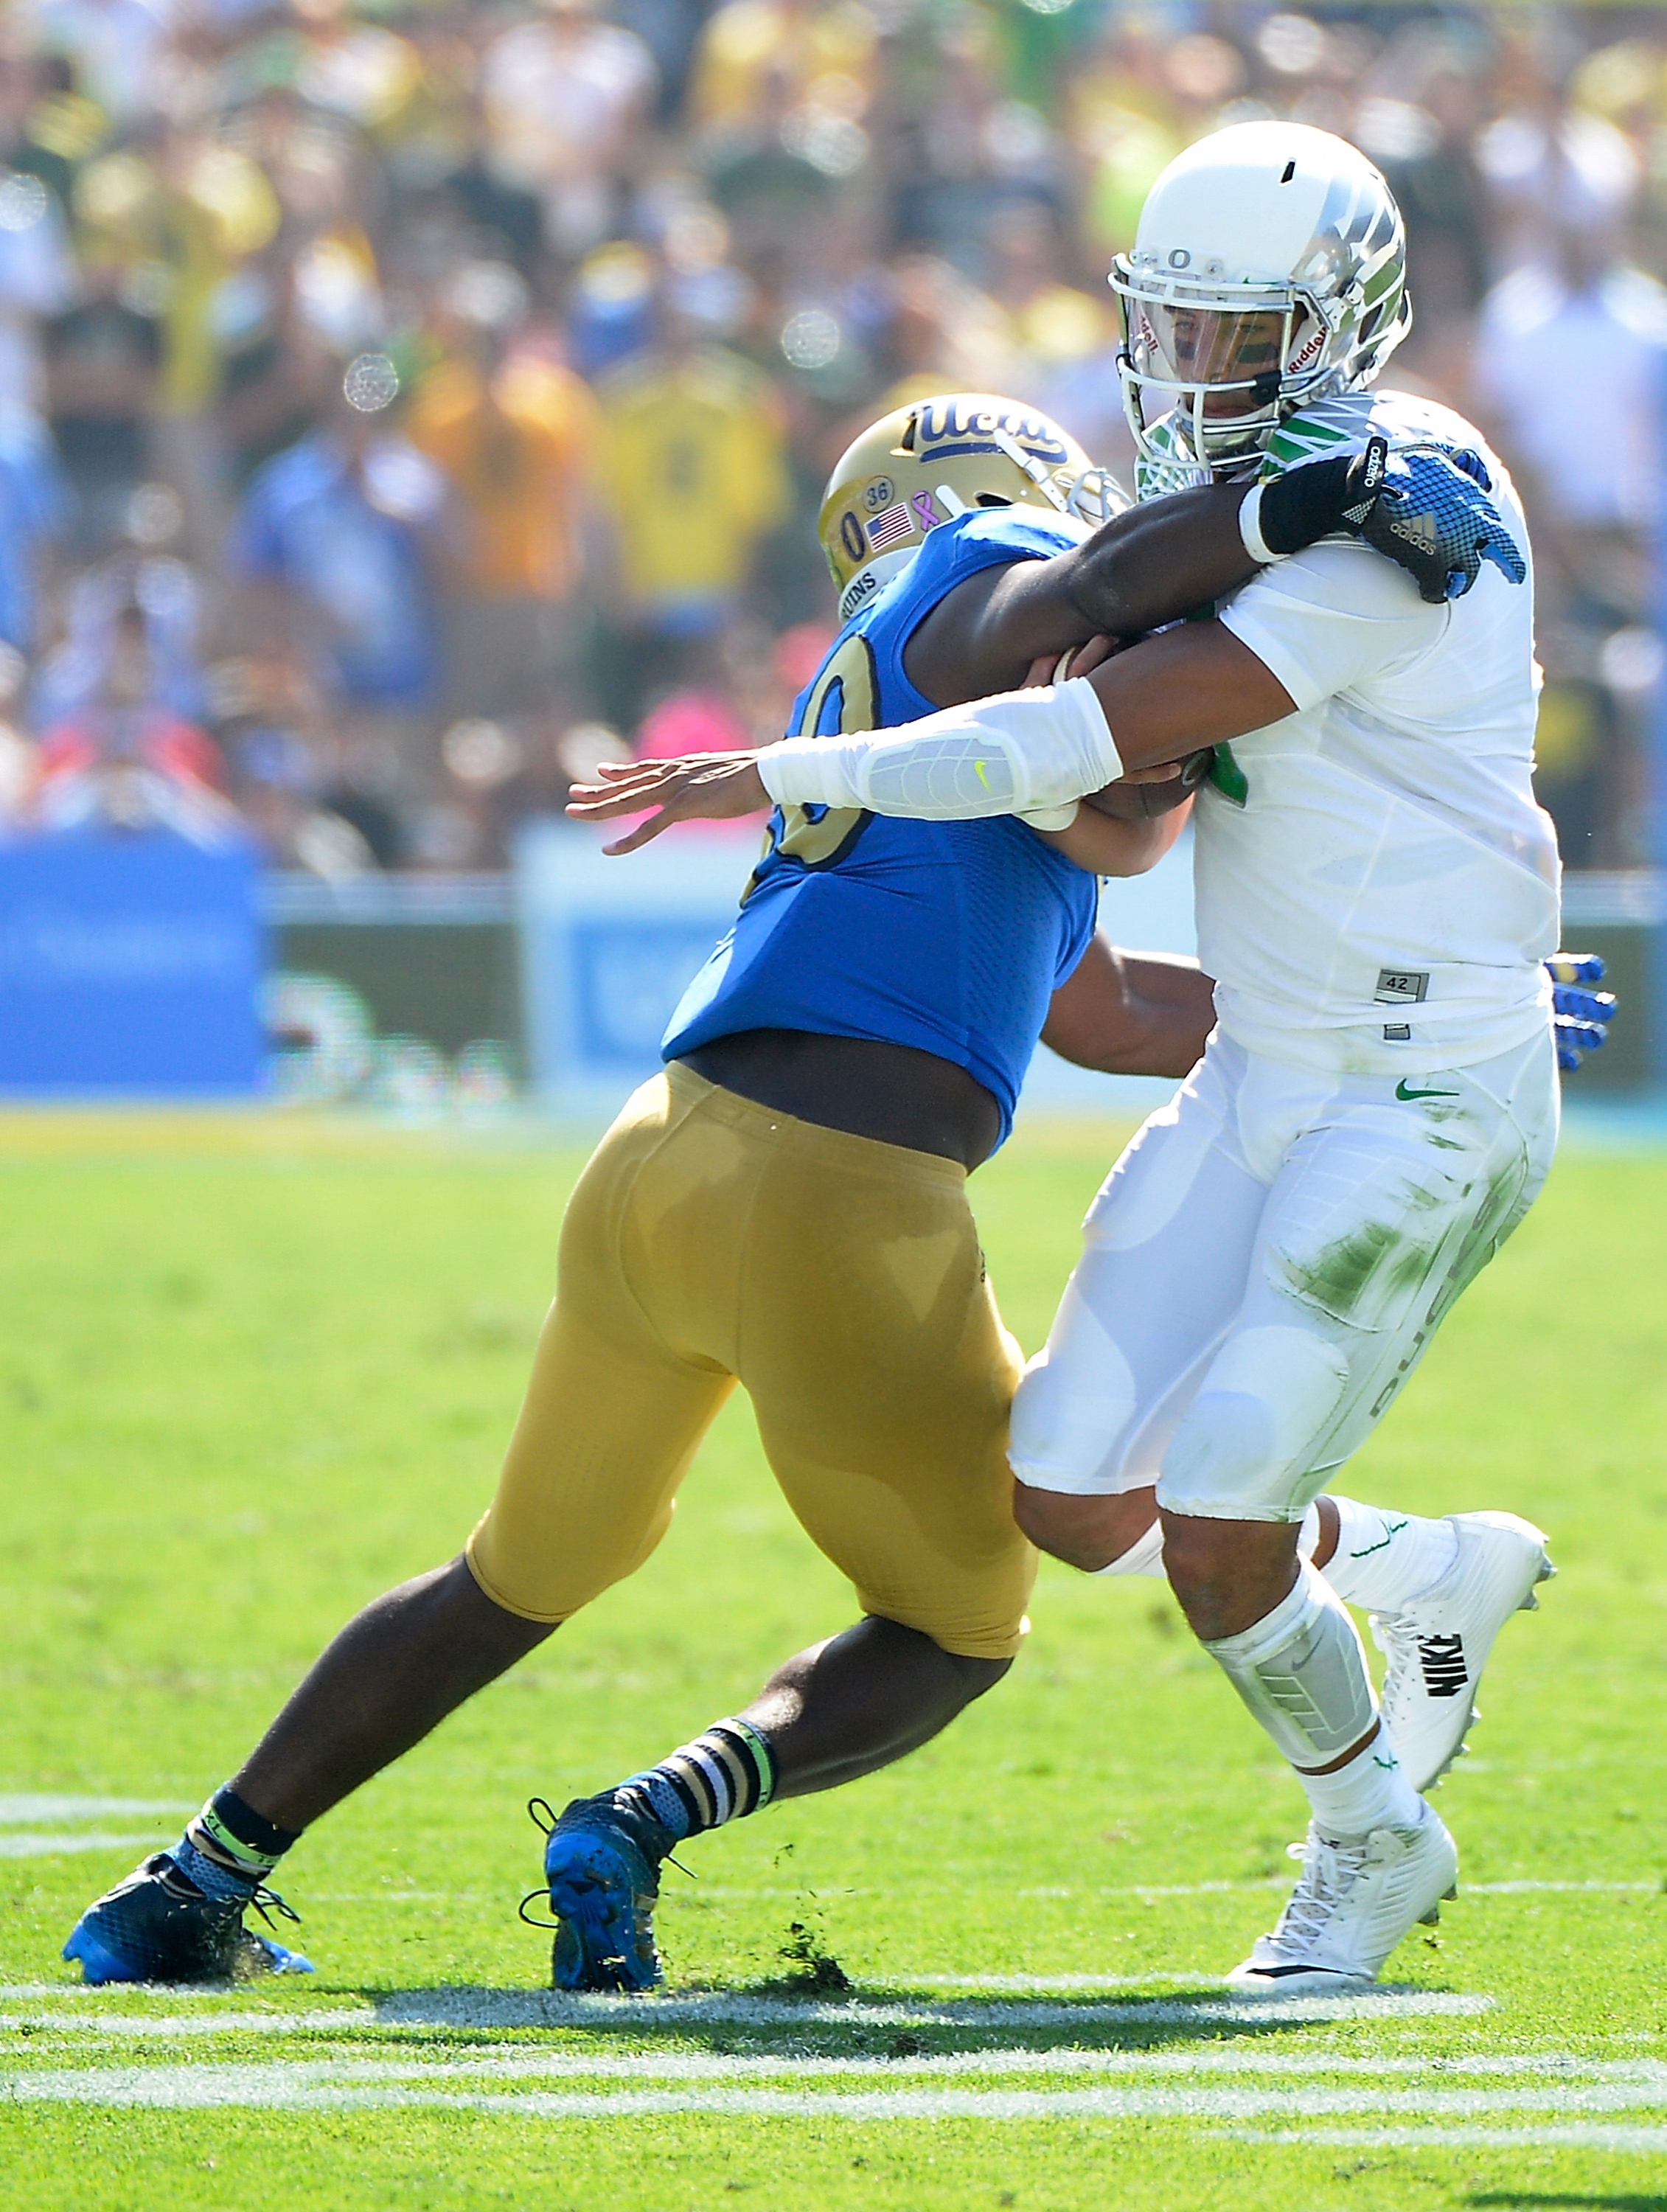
1069,1416
1251,1435
1302,1671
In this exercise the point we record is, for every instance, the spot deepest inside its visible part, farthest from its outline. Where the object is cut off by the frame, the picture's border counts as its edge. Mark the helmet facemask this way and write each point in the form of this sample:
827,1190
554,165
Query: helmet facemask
1226,374
1268,273
1224,370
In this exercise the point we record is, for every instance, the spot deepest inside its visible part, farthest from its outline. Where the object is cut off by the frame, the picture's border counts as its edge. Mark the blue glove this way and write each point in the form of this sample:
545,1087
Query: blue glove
1582,1016
1433,516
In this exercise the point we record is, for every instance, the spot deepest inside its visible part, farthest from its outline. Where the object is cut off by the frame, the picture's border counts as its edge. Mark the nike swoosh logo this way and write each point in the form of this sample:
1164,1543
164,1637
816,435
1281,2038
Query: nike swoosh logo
983,778
1407,1097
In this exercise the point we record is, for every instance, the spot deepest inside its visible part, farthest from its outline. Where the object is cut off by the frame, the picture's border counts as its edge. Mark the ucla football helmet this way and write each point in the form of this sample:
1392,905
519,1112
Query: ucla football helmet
1268,271
923,463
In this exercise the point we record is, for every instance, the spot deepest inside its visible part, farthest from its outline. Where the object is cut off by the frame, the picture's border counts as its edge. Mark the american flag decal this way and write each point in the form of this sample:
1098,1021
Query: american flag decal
889,526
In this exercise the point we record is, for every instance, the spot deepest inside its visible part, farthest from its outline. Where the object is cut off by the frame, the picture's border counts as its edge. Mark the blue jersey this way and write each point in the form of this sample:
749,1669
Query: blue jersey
951,937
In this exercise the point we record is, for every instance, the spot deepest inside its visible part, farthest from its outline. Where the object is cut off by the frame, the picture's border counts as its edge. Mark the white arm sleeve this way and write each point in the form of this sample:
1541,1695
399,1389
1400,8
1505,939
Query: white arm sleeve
1019,752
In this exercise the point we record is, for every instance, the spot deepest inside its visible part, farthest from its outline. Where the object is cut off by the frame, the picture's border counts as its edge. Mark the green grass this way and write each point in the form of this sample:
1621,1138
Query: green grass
252,1373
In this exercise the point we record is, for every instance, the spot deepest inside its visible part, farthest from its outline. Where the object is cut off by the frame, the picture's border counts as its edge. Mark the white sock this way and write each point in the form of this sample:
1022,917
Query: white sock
1370,1792
1383,1559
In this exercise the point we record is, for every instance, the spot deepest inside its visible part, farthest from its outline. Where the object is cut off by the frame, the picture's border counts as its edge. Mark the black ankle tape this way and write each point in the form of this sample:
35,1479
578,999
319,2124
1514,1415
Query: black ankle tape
247,1826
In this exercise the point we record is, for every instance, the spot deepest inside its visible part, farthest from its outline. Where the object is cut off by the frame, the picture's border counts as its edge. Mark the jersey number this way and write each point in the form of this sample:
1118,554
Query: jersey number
817,837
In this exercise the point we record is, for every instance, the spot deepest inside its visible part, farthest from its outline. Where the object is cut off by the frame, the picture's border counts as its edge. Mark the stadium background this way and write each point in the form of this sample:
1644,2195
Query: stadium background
399,408
404,406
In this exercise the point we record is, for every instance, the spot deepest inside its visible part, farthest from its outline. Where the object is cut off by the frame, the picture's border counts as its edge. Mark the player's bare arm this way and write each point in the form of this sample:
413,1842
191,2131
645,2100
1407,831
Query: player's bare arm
1162,700
1017,753
1153,564
1148,566
1188,688
1132,1013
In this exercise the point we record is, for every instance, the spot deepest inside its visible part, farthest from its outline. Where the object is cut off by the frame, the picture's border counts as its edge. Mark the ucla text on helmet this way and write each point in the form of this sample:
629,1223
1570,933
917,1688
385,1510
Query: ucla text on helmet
941,429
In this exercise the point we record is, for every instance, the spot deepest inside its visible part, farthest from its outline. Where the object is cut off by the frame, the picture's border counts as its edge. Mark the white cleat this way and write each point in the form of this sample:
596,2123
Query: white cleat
1353,1904
1437,1647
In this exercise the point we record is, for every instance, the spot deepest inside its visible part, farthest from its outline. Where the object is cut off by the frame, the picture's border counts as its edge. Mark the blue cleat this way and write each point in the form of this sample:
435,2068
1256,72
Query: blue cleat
602,1866
158,1926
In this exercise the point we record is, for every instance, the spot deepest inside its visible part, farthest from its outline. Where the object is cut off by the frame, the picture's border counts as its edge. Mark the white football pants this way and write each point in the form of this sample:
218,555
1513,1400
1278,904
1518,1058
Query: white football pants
1263,1268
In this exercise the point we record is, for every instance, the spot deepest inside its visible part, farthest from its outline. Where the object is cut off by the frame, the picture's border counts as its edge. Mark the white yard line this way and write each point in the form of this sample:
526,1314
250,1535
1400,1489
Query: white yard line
27,1846
1559,1888
21,1811
84,1992
360,2020
1526,1888
304,2088
545,2008
1182,1888
1652,2140
465,2008
1038,1983
1167,1889
1647,2076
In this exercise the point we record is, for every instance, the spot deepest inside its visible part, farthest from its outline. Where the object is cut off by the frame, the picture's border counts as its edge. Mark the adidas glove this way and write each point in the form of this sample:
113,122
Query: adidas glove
1433,515
1425,507
1582,1017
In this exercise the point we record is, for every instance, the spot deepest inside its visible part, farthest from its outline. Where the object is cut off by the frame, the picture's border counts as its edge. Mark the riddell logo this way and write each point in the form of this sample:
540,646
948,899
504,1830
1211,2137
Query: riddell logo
1306,353
951,427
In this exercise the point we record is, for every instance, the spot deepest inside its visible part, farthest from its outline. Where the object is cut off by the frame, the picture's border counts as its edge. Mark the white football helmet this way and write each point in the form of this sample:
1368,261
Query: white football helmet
1268,271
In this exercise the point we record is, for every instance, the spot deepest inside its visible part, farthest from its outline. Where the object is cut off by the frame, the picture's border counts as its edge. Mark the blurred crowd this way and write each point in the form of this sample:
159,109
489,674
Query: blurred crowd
404,404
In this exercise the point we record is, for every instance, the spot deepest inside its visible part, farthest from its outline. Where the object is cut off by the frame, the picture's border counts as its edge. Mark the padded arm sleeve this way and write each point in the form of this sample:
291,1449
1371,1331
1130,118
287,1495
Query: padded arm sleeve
1015,753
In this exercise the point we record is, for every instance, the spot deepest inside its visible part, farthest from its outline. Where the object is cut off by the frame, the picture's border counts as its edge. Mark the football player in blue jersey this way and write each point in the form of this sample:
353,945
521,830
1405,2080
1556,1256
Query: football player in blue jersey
785,1206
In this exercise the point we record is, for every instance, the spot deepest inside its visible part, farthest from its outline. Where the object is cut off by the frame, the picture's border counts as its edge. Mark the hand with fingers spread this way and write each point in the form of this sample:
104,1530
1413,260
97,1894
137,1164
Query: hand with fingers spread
698,787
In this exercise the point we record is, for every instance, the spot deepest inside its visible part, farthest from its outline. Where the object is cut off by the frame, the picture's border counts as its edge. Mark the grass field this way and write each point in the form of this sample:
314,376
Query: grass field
252,1373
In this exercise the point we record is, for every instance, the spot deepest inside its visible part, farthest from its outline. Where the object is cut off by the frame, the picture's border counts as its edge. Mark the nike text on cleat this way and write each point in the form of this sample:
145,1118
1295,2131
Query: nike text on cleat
602,1866
1354,1902
1437,1645
157,1926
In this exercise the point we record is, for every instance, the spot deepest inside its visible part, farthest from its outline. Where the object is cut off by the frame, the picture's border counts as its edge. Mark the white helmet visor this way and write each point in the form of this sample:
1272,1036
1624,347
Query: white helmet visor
1190,346
1221,368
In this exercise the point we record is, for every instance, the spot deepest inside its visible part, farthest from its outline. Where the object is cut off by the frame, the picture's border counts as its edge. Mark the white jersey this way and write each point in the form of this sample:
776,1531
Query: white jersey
1376,884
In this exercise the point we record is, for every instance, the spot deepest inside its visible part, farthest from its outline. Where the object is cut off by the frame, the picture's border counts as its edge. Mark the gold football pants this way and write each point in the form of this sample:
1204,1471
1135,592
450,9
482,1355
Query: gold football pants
711,1241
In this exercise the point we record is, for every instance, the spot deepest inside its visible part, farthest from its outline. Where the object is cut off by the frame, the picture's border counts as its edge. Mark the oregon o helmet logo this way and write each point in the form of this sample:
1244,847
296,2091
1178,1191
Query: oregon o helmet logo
851,537
1180,258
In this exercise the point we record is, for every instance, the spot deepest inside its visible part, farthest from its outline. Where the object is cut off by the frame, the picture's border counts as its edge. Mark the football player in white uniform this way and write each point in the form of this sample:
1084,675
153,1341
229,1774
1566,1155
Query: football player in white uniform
1378,896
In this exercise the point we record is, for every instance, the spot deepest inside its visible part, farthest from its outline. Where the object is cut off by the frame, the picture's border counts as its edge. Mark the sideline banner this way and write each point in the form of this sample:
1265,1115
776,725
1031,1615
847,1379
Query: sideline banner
129,967
608,947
